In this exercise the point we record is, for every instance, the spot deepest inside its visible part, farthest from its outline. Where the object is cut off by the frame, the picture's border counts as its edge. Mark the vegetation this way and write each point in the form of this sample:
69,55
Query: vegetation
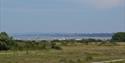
79,53
6,42
119,37
61,51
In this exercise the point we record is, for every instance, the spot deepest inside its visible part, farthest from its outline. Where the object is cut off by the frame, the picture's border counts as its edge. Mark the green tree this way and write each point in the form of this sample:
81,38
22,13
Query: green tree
118,37
3,46
6,42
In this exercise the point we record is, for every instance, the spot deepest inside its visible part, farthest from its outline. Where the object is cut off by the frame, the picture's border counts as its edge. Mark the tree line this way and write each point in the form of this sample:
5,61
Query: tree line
9,43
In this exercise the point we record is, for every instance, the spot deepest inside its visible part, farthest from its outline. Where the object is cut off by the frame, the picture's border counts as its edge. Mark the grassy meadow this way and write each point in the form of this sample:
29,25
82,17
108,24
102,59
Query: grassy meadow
75,53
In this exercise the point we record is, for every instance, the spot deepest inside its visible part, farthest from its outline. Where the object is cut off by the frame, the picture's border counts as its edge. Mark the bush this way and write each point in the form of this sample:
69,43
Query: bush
6,42
54,46
118,37
3,46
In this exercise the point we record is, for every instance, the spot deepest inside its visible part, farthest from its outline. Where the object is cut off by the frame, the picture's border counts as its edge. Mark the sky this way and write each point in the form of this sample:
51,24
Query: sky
90,16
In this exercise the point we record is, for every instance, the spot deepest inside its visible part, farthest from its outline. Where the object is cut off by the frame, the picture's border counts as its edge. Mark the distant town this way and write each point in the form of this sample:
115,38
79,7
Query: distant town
61,36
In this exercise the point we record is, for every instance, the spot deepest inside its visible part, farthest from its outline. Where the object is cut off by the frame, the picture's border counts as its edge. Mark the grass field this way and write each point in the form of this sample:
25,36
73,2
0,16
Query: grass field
79,53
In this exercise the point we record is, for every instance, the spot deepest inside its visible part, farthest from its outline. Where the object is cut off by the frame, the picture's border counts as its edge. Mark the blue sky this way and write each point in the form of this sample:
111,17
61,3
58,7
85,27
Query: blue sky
91,16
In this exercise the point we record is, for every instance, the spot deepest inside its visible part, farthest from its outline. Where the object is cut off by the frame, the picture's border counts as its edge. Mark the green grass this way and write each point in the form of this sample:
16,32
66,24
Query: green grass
70,54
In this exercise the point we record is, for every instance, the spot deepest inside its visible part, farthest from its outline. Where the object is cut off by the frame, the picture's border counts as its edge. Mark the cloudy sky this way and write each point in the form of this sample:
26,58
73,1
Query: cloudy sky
20,16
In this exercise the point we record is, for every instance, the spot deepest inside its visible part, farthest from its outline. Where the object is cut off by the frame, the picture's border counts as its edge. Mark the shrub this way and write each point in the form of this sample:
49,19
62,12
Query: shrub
3,46
54,46
119,37
6,42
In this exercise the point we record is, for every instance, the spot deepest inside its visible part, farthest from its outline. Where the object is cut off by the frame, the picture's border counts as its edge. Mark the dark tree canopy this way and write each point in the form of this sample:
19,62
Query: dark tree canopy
6,42
119,37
